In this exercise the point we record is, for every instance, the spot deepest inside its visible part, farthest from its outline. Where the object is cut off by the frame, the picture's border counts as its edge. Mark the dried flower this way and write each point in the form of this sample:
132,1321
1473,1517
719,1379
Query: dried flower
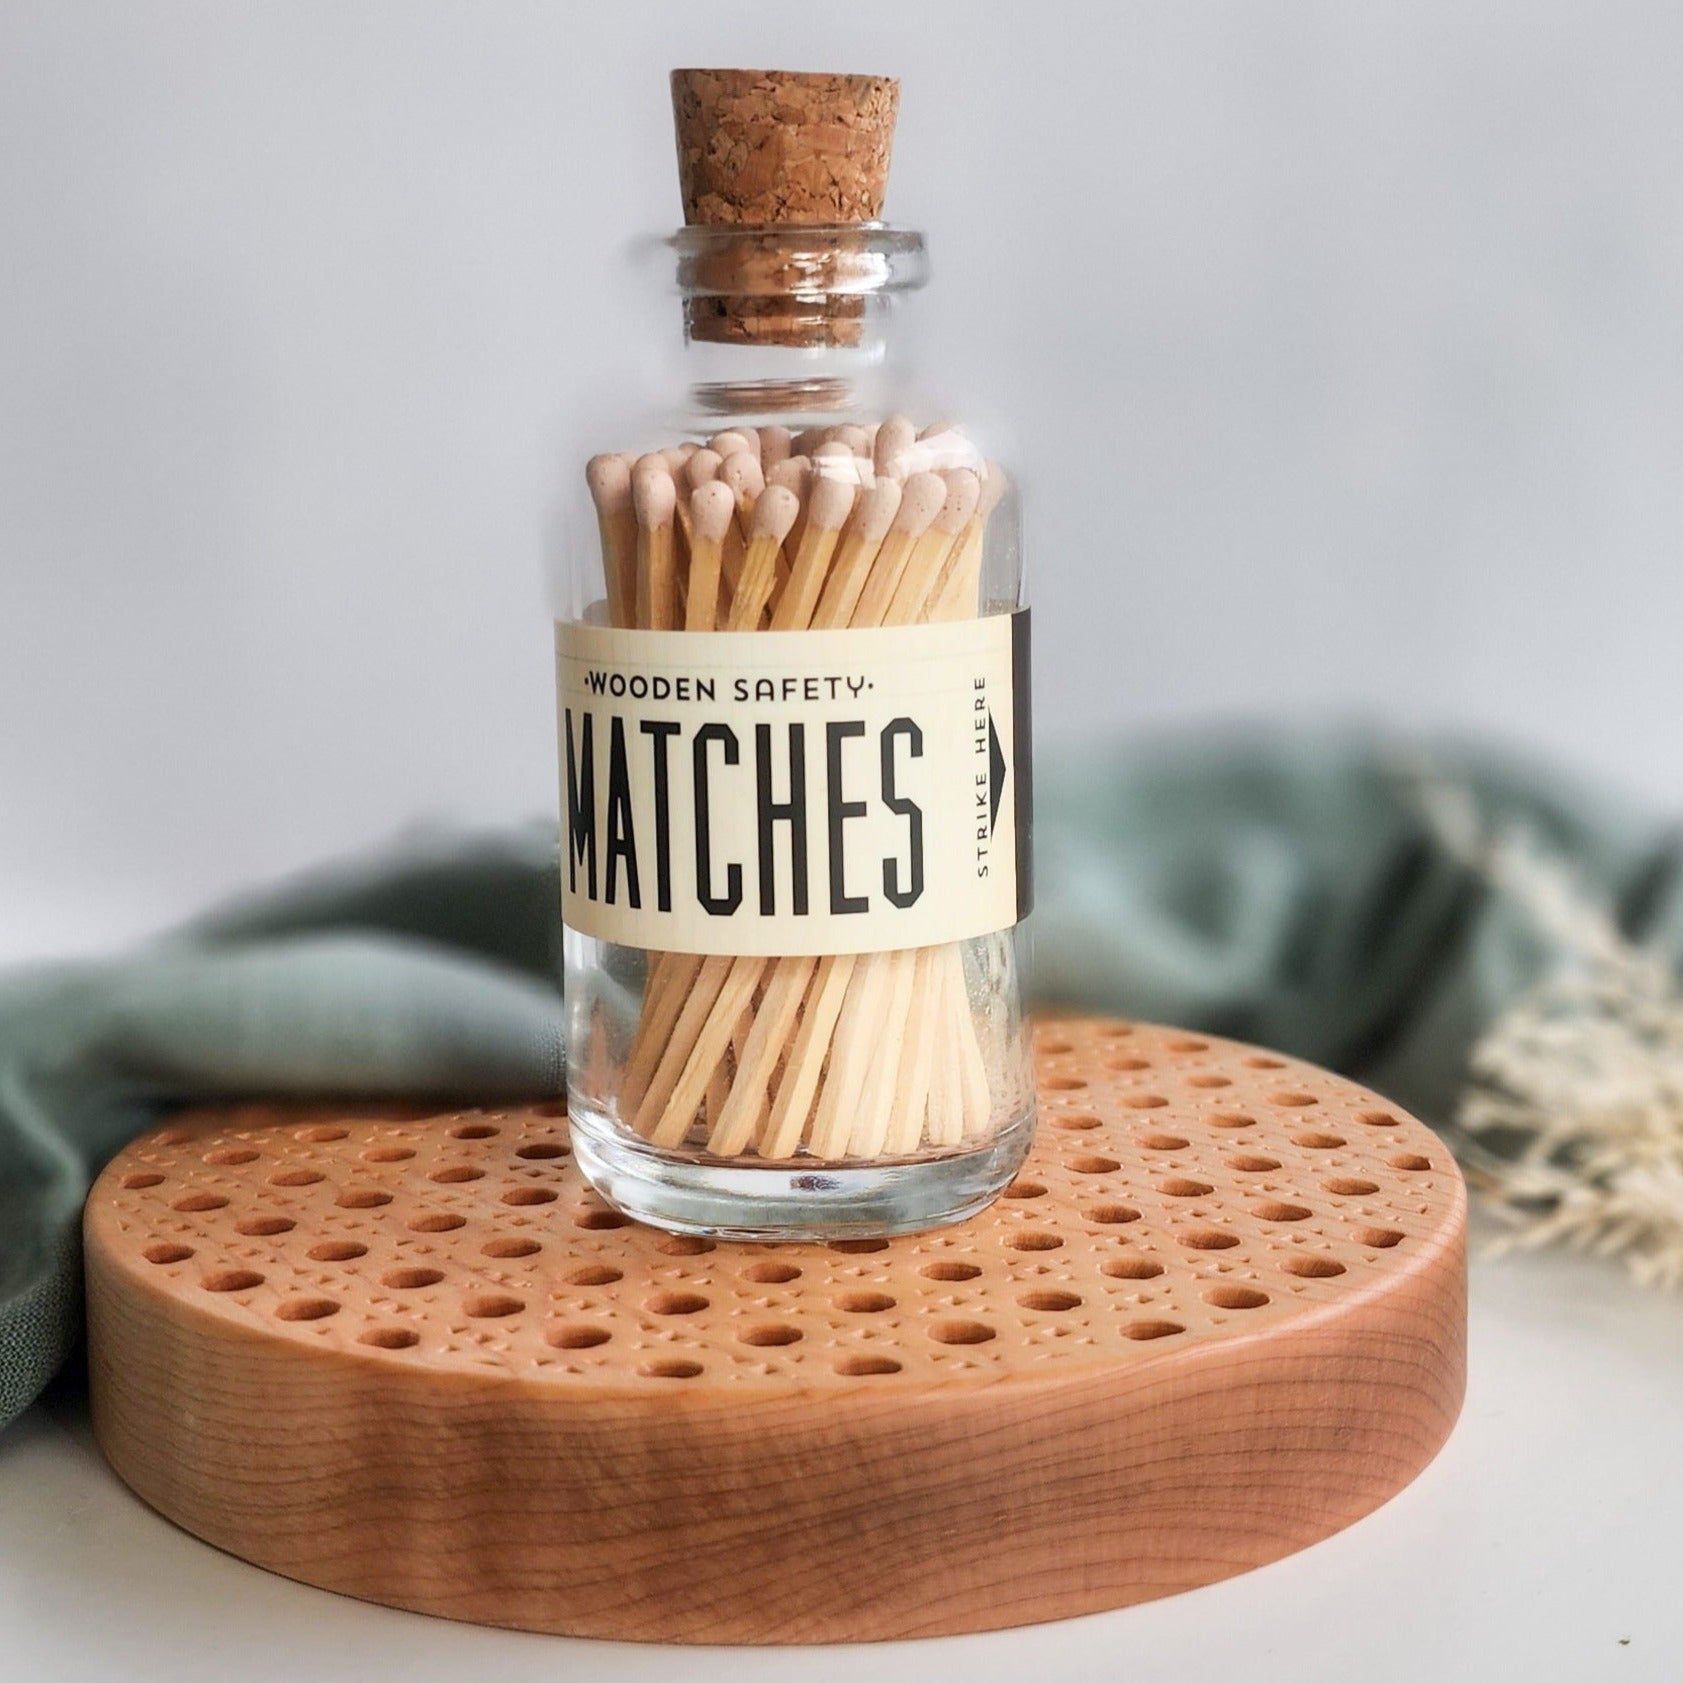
1573,1114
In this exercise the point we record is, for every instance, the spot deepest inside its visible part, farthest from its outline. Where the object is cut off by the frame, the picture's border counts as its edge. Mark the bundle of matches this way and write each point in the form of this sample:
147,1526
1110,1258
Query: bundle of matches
855,1056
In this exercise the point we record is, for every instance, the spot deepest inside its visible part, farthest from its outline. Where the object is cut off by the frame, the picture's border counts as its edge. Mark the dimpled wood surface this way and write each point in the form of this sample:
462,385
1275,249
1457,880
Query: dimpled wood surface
411,1357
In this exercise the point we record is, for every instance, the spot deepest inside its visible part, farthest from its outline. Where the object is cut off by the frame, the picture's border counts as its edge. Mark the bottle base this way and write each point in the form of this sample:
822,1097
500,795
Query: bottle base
800,1199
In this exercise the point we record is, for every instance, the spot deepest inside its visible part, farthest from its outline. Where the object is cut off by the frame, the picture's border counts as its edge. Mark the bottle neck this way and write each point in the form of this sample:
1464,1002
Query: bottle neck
830,374
793,321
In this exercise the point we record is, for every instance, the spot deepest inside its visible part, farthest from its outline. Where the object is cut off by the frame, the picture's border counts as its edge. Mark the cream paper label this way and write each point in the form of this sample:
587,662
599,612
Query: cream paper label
784,792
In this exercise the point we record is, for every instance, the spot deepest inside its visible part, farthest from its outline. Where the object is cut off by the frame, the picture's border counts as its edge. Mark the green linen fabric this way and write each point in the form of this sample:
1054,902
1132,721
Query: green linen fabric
1290,889
432,975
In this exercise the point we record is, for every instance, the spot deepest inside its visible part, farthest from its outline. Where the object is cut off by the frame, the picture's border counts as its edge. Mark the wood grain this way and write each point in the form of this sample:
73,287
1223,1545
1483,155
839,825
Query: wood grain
1220,1315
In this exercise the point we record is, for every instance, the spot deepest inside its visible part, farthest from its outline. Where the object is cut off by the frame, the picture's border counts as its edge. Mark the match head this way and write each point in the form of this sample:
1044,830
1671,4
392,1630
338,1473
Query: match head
653,493
834,460
712,508
742,473
702,466
733,442
876,512
609,479
855,438
924,495
793,471
894,436
776,445
775,514
964,492
829,505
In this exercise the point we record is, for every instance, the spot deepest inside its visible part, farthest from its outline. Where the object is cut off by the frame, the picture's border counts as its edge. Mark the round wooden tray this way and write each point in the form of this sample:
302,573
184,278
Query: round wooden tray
410,1357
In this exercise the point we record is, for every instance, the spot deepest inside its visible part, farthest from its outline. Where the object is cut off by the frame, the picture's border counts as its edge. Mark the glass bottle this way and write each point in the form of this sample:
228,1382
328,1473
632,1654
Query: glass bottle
794,746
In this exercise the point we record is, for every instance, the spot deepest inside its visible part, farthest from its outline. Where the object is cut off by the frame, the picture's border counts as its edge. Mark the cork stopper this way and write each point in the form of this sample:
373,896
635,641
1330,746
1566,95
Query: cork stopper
771,152
772,147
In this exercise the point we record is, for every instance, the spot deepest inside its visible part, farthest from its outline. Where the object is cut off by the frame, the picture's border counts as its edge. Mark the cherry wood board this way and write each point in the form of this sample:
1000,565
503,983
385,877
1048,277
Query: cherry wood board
411,1357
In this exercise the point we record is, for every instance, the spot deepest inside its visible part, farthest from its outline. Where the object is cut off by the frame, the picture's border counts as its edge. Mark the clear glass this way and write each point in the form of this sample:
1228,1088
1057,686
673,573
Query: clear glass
792,348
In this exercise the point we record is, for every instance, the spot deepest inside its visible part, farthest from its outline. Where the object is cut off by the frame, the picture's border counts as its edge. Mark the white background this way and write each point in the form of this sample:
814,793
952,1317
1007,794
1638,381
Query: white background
1343,345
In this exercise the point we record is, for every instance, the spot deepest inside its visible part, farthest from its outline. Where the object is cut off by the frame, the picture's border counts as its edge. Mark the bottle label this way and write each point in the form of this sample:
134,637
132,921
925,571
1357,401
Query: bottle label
795,792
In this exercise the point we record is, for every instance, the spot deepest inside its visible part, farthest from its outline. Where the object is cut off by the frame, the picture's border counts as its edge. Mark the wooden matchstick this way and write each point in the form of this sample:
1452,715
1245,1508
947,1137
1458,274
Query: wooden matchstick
807,1056
712,508
845,1071
655,498
916,586
957,592
734,1127
668,976
796,473
671,976
827,509
884,1009
924,1022
919,504
773,516
679,1072
872,516
742,473
669,1111
609,479
719,1085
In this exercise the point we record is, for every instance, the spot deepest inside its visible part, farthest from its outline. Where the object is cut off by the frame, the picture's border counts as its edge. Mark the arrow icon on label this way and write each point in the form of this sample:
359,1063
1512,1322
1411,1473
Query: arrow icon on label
996,774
